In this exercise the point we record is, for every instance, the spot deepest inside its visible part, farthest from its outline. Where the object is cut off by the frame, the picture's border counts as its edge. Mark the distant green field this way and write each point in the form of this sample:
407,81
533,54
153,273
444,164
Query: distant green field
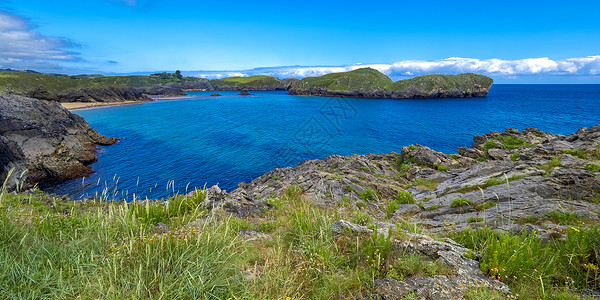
253,81
25,82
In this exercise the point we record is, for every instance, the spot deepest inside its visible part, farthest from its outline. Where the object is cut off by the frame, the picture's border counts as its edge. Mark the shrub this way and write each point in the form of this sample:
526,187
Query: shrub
563,218
514,257
474,219
593,168
370,194
481,159
581,256
433,207
462,201
515,156
416,265
441,167
577,153
510,142
490,144
405,197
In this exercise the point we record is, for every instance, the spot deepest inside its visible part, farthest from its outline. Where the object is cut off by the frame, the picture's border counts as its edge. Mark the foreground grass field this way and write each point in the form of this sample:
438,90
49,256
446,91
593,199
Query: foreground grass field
53,249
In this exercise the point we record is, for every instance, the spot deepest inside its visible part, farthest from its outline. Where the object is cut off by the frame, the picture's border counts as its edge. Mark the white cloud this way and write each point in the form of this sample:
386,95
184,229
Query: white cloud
583,66
22,47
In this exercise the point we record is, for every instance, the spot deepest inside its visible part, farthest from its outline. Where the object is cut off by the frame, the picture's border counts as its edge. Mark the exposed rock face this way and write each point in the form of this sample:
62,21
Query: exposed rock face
99,94
43,141
244,92
515,189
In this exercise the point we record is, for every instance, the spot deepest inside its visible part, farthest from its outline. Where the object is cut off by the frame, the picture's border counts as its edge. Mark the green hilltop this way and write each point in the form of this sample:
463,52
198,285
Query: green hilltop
367,82
24,82
366,78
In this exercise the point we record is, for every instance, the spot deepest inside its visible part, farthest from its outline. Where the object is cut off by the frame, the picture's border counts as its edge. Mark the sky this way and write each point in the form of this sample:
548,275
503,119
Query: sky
511,41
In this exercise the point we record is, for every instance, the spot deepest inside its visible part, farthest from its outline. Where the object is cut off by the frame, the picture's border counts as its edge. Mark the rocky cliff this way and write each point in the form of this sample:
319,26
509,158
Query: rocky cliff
40,140
370,83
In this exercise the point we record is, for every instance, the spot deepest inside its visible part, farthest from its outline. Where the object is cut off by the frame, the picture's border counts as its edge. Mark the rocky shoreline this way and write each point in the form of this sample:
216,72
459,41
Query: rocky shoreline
517,185
40,140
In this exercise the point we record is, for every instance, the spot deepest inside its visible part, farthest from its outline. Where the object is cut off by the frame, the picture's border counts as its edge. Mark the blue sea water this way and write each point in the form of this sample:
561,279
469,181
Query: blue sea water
174,146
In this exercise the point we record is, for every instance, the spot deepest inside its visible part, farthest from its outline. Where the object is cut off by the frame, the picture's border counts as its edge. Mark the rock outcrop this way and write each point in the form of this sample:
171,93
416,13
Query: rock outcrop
96,94
41,140
523,184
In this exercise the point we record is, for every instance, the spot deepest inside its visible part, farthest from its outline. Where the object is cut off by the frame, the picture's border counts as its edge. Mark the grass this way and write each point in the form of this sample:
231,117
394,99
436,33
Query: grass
426,184
441,167
459,202
370,195
506,142
553,163
515,156
576,153
474,219
594,168
537,270
114,250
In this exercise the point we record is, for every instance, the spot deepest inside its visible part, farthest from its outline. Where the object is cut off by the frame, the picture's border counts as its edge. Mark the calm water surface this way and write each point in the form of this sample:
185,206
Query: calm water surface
171,146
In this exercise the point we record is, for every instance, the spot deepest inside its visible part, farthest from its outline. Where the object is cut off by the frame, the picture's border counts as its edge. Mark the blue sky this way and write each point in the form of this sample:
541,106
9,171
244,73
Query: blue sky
512,41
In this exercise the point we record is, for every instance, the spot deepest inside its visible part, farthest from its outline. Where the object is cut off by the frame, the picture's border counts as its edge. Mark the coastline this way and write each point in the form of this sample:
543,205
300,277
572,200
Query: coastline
82,105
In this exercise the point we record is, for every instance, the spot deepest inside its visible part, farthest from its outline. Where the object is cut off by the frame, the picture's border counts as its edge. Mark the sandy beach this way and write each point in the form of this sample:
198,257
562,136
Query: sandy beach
80,105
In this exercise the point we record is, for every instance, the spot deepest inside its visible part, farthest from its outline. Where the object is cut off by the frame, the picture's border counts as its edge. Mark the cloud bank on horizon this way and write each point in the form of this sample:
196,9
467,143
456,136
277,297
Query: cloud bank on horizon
580,66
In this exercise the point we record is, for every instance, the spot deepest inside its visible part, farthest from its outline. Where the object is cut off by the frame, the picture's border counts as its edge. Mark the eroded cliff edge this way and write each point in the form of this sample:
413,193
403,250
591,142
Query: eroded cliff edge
41,140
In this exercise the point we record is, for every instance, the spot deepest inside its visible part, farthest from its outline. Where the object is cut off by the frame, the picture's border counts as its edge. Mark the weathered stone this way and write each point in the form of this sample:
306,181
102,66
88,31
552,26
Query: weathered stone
42,140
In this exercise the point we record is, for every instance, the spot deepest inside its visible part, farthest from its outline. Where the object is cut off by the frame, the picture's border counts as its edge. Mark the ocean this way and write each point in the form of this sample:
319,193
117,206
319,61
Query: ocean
170,147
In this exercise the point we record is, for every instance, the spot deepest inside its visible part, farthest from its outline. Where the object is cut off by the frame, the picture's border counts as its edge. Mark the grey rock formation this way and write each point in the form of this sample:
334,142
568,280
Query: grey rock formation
41,140
515,189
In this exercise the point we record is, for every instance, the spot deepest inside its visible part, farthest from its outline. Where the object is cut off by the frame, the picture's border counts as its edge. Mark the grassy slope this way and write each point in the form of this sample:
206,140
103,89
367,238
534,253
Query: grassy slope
250,81
23,82
371,80
366,78
51,249
446,82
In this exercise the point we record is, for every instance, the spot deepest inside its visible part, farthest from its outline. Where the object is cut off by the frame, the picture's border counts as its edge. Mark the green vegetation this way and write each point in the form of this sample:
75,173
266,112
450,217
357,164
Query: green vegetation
553,163
506,142
24,82
177,249
462,201
426,184
367,79
403,197
474,219
370,195
515,156
433,207
444,82
594,168
371,80
537,270
58,83
485,205
577,153
441,167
